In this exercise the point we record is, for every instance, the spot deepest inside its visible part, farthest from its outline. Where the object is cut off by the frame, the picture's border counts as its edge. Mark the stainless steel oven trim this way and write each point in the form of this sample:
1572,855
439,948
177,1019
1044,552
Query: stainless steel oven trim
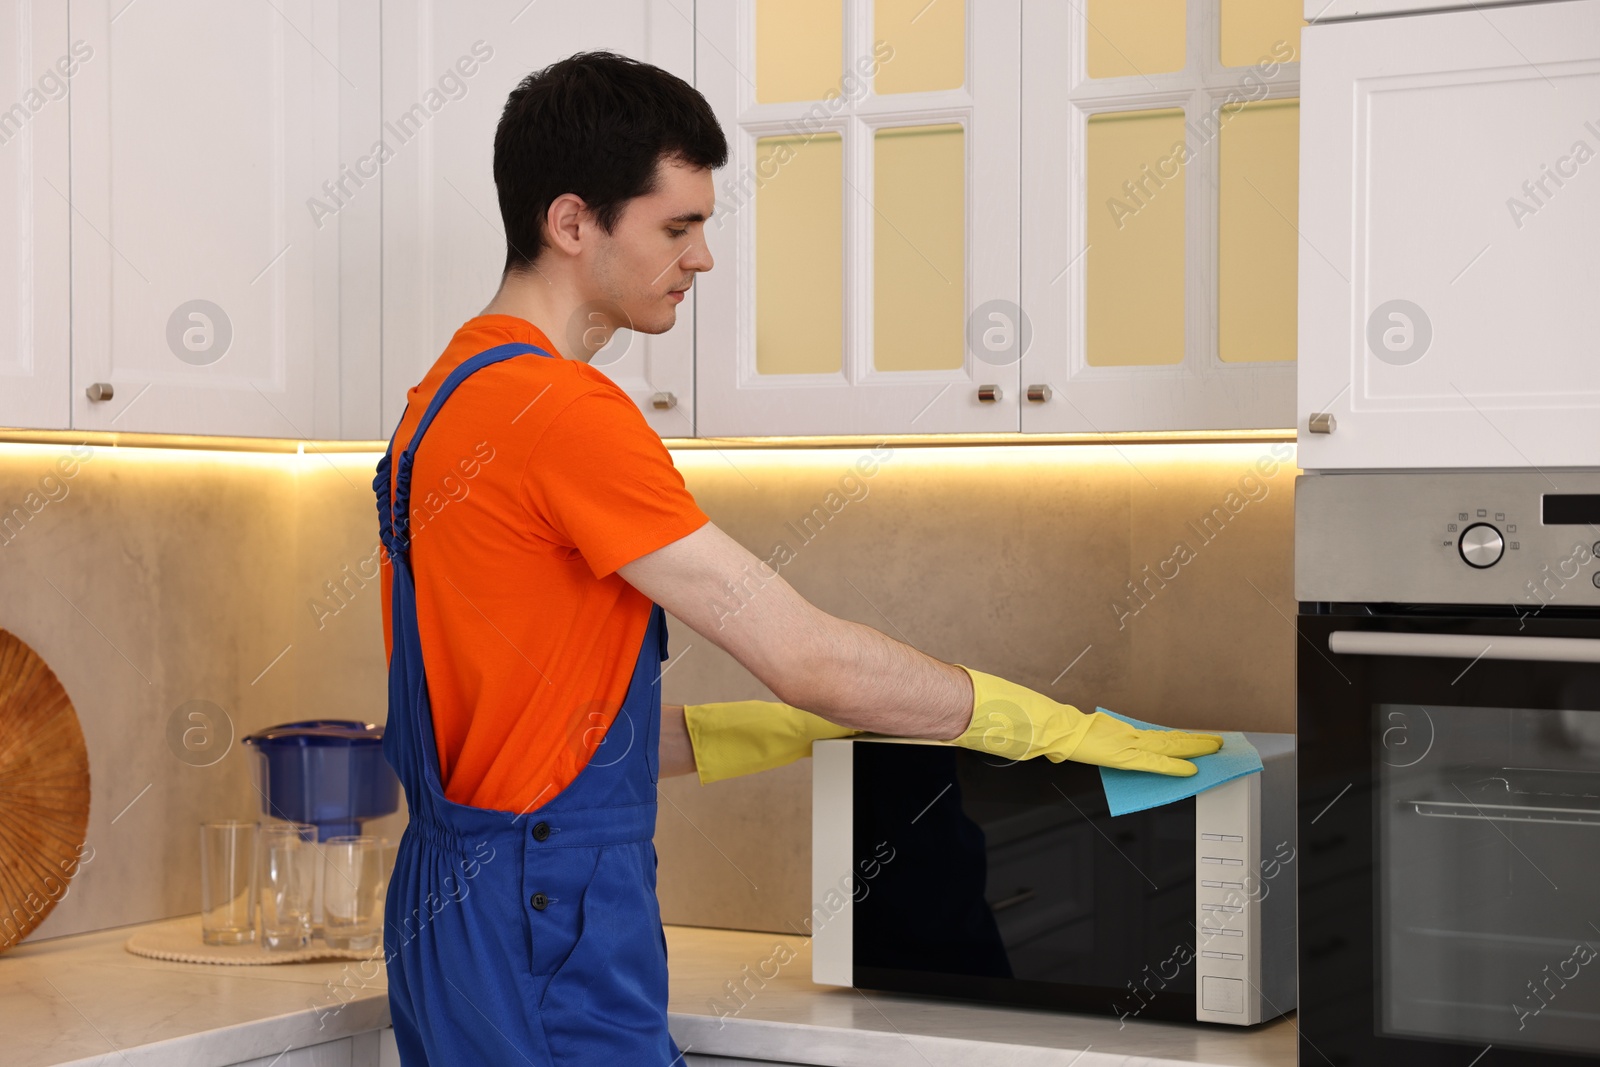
1464,646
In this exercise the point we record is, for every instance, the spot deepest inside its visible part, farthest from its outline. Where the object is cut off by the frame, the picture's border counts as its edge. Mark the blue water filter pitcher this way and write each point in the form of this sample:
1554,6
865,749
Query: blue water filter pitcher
328,772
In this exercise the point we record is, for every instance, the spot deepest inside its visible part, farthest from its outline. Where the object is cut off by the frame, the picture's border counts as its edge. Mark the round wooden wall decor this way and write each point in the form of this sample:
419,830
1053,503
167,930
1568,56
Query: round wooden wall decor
44,790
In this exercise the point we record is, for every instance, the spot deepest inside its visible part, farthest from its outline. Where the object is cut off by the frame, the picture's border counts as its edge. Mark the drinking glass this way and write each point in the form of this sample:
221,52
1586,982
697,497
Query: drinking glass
353,883
227,882
286,876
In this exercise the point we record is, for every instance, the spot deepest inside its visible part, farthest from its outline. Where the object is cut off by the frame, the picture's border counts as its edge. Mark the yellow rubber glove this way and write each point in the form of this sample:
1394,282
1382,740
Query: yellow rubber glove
744,736
1015,722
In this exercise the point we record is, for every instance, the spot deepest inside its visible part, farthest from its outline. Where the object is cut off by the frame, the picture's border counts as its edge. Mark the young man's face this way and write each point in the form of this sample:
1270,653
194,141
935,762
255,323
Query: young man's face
646,264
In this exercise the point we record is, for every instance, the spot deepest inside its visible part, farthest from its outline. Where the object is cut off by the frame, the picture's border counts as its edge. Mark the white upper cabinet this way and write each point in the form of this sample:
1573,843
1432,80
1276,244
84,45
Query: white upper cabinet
1328,10
214,291
866,276
448,68
35,281
1450,205
1159,196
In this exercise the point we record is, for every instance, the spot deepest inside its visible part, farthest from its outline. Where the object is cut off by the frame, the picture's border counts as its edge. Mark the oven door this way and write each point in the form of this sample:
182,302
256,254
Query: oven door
1449,821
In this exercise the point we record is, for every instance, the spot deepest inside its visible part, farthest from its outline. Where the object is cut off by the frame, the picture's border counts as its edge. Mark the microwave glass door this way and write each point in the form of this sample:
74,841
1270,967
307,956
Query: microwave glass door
990,879
1450,830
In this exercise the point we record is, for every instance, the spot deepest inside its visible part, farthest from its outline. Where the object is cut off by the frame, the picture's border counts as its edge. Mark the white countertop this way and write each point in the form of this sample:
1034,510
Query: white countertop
85,1000
790,1019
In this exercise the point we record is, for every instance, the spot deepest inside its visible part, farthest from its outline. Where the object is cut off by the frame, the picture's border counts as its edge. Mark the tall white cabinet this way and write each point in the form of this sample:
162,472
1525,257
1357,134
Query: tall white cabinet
211,291
39,62
1450,205
447,70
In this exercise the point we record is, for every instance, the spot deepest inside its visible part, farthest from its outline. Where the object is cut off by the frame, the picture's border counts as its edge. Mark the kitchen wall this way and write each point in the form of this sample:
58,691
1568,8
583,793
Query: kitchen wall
152,579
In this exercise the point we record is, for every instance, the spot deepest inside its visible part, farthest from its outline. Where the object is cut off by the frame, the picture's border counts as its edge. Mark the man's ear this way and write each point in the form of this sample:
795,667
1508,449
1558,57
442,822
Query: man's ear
563,223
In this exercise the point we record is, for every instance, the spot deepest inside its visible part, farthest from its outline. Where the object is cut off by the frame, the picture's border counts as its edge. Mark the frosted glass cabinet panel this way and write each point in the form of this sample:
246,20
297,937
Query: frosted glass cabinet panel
1257,244
919,248
1158,204
800,255
929,42
1135,262
799,49
1252,29
1130,39
850,275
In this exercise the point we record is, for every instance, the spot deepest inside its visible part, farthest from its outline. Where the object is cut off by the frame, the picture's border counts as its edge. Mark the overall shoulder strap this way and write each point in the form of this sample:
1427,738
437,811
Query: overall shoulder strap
394,518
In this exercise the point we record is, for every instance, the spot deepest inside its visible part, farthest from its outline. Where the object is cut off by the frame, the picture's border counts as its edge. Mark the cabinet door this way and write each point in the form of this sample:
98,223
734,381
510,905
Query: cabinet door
214,271
34,274
327,1054
1328,10
443,244
1158,202
865,230
1451,194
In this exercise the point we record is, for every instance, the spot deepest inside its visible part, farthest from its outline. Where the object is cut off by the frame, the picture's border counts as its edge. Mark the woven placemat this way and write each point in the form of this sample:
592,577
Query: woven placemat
179,940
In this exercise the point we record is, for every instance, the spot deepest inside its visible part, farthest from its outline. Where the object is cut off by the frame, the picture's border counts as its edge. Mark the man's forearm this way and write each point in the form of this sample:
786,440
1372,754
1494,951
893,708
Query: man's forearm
677,754
843,671
859,677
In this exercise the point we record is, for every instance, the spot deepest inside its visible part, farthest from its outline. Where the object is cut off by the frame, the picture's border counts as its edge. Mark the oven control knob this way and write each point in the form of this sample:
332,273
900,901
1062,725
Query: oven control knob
1481,545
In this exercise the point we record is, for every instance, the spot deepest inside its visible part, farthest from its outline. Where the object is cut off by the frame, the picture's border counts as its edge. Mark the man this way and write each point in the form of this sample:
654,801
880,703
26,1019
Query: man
533,543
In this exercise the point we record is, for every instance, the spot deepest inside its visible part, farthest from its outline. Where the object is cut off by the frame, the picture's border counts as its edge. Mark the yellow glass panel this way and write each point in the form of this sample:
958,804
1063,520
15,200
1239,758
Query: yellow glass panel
799,49
1131,37
1256,31
1258,194
919,46
919,248
800,254
1134,284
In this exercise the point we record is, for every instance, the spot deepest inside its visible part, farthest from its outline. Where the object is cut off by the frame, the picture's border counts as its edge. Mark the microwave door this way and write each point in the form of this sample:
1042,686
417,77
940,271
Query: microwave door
942,871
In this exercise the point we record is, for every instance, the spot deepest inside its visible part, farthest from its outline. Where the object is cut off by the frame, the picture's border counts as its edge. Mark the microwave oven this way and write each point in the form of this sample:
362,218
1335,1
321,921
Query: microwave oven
944,871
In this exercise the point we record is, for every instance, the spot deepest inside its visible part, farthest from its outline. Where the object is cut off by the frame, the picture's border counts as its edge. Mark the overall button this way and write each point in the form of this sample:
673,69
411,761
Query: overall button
539,902
541,831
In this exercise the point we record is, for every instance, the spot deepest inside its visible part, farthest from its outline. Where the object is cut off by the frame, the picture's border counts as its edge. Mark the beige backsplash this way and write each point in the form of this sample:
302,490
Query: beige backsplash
154,578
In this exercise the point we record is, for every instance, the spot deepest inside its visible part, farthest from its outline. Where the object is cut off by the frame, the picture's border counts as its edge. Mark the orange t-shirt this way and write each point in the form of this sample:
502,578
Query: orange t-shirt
536,481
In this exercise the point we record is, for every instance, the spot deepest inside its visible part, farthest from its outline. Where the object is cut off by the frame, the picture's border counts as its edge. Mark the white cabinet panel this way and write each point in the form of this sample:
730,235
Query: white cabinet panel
39,63
1450,201
327,1054
208,271
443,245
859,397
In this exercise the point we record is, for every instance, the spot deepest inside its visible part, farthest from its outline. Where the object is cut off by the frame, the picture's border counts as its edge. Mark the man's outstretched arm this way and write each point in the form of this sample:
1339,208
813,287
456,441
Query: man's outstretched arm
847,673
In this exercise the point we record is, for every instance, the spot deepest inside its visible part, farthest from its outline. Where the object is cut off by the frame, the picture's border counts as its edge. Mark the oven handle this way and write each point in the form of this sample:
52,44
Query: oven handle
1465,646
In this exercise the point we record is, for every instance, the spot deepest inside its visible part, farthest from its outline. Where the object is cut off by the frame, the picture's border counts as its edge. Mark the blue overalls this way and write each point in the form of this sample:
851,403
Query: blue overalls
528,938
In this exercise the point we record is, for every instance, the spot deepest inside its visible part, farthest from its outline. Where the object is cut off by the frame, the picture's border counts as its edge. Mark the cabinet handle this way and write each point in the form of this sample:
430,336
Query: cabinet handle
100,391
988,394
1322,422
663,401
1039,393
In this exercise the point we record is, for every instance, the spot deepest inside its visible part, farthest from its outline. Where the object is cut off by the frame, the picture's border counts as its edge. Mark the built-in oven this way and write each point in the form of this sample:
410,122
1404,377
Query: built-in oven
1449,769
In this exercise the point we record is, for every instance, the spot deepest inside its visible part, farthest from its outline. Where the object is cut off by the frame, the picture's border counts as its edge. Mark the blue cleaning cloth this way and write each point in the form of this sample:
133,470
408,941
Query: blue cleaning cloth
1129,791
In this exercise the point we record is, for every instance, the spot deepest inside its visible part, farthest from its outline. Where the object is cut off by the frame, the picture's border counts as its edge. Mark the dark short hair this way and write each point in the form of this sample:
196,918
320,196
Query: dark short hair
594,124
